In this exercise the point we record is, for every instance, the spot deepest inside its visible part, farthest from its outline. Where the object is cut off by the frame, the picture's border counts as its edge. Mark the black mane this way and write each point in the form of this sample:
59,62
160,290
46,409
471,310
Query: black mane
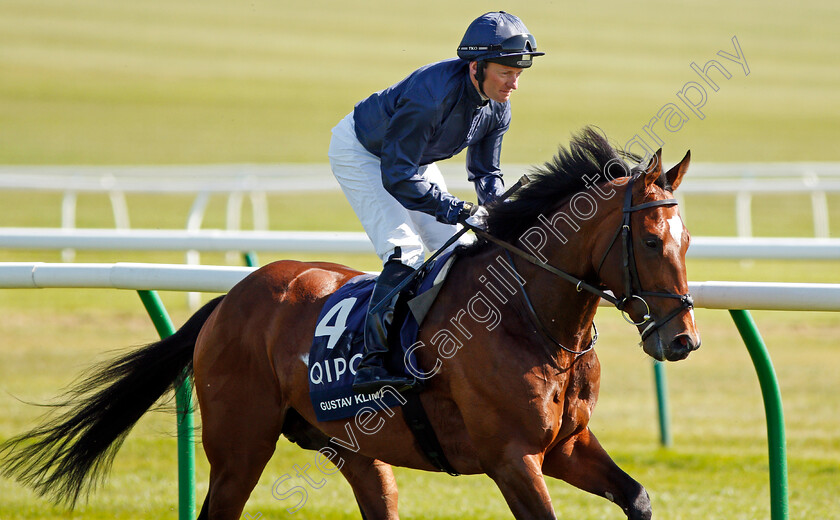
589,155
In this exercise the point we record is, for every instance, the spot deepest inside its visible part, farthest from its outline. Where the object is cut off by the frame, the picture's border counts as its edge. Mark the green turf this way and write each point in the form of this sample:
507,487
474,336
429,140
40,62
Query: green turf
117,82
716,469
95,82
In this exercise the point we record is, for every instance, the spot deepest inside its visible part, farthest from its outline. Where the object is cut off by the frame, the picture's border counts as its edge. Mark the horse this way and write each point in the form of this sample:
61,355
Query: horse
509,393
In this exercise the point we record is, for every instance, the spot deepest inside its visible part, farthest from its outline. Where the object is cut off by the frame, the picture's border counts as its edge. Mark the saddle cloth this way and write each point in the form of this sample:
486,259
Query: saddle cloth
338,346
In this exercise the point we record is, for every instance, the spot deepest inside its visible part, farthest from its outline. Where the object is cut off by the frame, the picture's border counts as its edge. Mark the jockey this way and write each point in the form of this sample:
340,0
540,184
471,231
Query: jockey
383,156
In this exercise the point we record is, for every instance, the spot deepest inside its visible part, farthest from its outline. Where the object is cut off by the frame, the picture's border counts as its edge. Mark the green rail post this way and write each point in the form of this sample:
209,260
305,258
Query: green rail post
662,403
183,403
250,258
772,408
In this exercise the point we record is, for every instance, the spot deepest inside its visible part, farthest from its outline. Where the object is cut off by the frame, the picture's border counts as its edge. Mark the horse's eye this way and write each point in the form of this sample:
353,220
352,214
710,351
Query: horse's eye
651,243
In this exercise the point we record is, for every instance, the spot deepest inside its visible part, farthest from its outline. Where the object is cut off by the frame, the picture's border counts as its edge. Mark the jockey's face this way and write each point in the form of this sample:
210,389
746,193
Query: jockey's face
499,80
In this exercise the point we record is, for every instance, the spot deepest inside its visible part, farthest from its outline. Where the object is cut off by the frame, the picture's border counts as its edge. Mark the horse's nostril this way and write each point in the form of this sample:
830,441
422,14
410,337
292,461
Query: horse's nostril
684,343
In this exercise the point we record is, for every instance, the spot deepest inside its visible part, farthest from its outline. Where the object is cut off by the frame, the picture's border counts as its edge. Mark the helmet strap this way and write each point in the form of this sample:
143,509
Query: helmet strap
479,76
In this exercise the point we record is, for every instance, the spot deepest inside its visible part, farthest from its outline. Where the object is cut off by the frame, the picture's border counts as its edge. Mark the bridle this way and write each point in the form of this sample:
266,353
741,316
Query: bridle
632,285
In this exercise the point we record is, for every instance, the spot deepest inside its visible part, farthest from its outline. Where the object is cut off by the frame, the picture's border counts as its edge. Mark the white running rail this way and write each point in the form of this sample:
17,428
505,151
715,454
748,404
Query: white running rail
176,277
236,180
355,242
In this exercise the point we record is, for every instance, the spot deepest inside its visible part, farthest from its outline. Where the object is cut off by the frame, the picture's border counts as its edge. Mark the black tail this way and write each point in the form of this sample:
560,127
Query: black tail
68,455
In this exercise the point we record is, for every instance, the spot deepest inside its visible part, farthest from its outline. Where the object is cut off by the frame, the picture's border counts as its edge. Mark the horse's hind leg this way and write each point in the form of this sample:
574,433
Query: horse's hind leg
240,427
372,481
583,463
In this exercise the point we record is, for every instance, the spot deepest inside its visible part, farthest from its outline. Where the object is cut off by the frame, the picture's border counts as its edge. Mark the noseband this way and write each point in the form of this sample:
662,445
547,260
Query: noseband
632,285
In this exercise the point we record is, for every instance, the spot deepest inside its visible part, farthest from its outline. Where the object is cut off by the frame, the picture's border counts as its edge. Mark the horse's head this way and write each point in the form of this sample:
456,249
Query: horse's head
623,232
641,259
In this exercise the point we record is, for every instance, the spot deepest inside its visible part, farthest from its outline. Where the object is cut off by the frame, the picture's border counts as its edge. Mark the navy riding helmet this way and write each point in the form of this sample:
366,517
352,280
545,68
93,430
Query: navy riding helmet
499,37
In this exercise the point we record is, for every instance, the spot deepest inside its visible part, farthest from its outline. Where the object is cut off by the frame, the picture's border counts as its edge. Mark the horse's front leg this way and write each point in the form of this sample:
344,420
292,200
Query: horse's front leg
521,482
583,463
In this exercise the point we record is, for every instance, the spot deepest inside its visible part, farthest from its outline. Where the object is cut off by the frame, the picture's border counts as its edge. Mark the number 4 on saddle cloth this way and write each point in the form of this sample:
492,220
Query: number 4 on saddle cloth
339,341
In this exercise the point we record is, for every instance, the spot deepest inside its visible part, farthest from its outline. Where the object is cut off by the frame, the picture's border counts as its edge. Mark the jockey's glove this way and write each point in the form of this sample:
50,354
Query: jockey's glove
474,215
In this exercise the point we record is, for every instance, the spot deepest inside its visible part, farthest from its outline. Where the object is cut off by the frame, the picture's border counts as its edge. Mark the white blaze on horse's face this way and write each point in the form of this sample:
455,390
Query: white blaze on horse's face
676,228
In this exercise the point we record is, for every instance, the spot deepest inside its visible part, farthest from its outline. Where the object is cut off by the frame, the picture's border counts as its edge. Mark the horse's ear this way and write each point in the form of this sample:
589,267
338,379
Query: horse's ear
675,175
653,169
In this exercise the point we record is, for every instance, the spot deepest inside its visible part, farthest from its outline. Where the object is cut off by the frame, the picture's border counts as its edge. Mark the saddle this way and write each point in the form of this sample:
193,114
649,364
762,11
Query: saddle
338,345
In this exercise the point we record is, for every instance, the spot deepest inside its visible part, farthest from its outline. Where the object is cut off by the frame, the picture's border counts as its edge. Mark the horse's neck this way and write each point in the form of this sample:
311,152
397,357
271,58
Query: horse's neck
566,313
570,248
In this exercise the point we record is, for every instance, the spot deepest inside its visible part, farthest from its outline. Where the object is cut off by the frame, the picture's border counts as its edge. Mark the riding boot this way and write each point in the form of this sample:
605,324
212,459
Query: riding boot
372,374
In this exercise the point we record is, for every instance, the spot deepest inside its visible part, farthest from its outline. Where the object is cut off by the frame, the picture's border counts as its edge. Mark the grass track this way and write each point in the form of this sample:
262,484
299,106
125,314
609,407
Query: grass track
95,82
717,468
200,82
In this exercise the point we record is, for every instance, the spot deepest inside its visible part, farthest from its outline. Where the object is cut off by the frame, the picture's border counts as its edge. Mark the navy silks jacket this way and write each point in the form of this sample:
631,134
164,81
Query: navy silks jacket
429,116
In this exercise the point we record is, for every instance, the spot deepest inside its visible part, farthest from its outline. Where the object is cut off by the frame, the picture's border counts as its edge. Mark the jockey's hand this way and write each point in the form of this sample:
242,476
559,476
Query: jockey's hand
474,215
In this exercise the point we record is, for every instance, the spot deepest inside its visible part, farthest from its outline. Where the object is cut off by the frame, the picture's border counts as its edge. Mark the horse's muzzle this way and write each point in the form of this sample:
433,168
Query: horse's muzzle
681,346
676,350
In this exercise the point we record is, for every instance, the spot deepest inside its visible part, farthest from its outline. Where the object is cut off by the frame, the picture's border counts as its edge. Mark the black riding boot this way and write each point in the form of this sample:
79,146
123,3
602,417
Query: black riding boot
371,374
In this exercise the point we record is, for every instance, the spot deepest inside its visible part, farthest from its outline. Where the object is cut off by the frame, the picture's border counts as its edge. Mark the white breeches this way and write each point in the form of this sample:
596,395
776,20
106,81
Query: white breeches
387,223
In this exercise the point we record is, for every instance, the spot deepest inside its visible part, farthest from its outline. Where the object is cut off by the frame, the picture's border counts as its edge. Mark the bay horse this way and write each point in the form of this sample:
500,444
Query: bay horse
509,396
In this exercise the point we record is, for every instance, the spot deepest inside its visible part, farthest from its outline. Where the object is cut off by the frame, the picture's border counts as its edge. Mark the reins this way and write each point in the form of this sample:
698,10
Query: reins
632,285
536,319
524,180
579,285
